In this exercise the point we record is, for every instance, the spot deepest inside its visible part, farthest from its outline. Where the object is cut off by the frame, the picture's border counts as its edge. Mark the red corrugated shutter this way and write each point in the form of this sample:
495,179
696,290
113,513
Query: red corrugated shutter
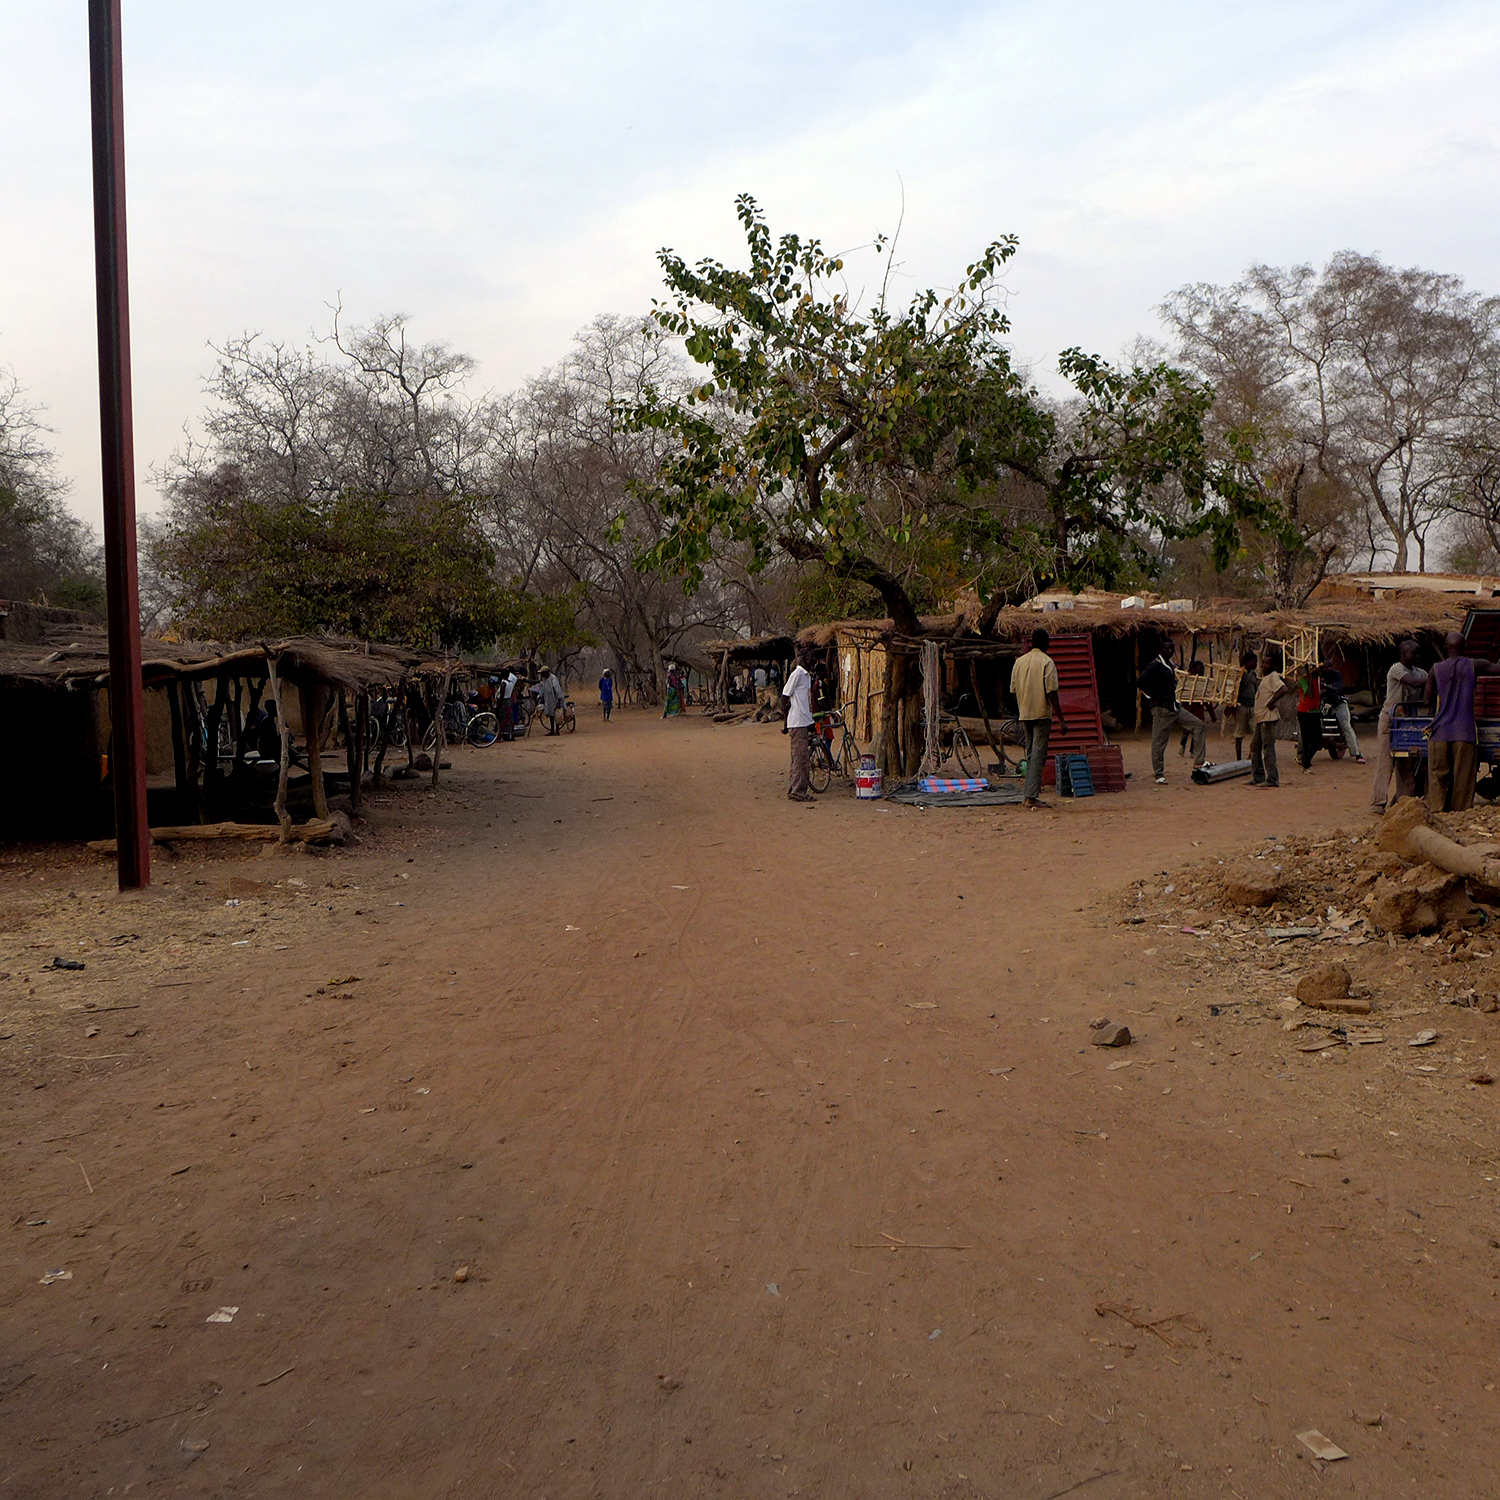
1078,693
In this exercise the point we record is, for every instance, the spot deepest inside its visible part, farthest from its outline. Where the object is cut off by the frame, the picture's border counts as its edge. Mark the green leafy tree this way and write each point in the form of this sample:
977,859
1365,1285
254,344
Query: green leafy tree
853,438
351,564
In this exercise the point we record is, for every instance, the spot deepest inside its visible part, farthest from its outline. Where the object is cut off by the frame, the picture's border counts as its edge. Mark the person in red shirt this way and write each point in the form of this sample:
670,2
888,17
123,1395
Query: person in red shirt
1309,716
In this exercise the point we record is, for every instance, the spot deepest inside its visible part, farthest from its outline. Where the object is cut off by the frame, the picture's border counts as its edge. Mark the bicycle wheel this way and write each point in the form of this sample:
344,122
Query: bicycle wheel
820,776
484,729
965,753
568,718
848,756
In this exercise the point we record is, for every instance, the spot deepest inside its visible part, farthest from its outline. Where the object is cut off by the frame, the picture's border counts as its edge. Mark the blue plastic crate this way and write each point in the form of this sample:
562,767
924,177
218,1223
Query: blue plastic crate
1074,778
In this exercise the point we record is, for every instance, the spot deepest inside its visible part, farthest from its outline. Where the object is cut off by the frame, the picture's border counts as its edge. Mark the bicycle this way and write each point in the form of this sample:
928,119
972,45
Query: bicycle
954,741
826,762
483,729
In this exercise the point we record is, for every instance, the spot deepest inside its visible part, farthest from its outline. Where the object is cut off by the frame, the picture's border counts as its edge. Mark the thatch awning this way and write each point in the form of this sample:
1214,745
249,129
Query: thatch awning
1362,622
73,656
752,648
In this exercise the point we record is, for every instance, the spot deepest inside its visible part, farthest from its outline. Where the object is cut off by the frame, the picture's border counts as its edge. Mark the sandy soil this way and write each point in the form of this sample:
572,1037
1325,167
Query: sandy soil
772,1142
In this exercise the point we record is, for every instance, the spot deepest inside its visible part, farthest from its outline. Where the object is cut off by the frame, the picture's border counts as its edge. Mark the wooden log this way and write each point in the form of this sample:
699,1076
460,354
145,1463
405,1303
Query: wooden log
283,817
312,723
310,831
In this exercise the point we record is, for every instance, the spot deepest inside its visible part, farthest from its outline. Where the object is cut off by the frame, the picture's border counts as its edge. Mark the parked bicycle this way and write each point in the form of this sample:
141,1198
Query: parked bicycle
953,743
835,752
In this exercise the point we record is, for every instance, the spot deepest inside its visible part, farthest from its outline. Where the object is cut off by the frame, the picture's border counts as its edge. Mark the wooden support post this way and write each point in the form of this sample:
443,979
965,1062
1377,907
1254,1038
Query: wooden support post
312,724
984,713
411,738
211,752
183,760
440,735
362,742
282,815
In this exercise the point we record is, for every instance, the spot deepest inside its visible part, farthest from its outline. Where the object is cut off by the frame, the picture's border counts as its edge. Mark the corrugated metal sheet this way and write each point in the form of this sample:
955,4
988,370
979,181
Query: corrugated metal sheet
1078,694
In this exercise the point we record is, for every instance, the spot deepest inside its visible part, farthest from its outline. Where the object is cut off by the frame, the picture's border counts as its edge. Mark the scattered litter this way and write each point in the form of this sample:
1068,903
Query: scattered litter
572,929
272,1379
347,979
37,1223
424,1091
1331,1154
1368,1419
92,1031
921,1005
1319,1044
241,943
1000,1072
195,1445
1257,1255
1319,1446
1424,1038
936,1333
1363,1036
773,1289
1281,933
52,1276
369,1111
1115,1067
682,887
234,901
224,1315
1112,1036
67,963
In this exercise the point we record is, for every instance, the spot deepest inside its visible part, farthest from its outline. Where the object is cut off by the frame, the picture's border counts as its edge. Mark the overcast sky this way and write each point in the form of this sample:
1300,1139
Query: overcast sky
504,172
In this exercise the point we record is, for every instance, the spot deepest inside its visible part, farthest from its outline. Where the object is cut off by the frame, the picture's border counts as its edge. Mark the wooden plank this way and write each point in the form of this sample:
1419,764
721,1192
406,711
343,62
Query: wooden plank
313,829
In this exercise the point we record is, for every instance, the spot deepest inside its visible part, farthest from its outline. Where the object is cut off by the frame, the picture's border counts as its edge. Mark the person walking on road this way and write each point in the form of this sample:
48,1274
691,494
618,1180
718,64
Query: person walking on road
1405,683
1269,692
1033,684
1452,751
796,705
1159,683
607,692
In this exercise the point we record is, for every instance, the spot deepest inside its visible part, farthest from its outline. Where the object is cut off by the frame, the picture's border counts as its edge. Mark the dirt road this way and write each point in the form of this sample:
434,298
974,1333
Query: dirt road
707,1095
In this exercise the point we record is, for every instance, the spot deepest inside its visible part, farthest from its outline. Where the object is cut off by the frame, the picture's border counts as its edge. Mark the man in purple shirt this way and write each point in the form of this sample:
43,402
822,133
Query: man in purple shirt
1452,751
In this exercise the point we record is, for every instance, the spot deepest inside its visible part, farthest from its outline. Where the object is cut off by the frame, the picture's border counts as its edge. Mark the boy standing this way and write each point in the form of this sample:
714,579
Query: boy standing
607,692
1244,708
1271,689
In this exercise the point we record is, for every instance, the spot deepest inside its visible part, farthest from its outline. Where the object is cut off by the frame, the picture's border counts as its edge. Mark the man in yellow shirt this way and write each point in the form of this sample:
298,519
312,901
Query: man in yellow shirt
1033,683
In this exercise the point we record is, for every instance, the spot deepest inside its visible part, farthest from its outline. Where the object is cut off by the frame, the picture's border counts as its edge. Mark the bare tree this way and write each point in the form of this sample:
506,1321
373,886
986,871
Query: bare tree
1361,380
564,504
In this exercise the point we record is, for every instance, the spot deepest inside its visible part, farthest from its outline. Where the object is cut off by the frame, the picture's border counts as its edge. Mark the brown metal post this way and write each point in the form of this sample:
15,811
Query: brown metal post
126,697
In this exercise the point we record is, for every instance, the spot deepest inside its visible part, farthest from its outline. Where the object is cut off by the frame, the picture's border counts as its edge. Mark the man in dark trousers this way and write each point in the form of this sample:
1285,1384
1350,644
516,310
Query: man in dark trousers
797,706
1159,683
1452,751
1033,684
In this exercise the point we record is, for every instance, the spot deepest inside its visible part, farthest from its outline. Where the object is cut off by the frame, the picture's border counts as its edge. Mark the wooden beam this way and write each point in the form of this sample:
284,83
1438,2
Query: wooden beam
313,829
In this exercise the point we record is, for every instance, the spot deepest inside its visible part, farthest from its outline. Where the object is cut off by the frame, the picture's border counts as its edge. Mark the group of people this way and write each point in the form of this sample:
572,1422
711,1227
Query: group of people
505,697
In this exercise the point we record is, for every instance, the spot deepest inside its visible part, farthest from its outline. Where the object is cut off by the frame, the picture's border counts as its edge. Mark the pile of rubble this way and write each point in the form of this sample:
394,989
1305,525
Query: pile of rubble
1416,899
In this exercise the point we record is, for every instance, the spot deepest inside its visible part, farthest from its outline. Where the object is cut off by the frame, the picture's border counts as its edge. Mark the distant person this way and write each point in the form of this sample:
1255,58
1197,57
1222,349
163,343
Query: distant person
1452,751
1331,684
1405,684
486,693
268,735
1309,717
796,705
674,693
510,704
761,679
552,695
1159,683
1244,707
1033,684
607,693
1270,692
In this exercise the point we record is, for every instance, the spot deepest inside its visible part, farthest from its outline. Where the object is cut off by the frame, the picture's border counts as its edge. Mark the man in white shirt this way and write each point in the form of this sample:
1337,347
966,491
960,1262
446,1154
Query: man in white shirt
508,706
796,704
1033,683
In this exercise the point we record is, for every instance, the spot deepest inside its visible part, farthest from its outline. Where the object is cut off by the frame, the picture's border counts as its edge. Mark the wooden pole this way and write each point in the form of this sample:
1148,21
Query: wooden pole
984,713
441,735
127,695
282,815
312,724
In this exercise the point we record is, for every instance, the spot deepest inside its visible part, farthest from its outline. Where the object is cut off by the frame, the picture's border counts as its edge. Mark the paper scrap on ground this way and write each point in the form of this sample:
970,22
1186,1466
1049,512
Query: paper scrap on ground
224,1315
1319,1446
52,1276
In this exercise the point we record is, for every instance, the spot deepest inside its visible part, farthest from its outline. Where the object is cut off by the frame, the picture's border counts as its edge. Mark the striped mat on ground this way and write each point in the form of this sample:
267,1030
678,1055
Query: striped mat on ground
999,793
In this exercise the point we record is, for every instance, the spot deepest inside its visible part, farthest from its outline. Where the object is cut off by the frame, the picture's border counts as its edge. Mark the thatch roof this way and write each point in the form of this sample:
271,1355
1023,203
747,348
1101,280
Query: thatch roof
752,648
1353,622
66,656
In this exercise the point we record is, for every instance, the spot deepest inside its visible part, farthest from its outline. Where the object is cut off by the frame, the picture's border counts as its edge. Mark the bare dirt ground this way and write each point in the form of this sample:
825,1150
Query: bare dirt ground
771,1140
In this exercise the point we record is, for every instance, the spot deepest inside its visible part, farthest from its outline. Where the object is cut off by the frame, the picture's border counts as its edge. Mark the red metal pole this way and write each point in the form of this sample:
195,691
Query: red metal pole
117,445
